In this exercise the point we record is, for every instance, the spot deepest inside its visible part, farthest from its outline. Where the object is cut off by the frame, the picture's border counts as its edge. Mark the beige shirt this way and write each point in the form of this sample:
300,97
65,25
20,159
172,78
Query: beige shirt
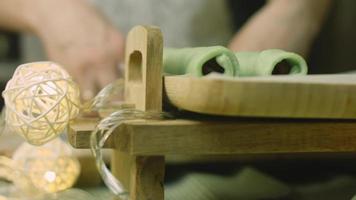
184,23
187,23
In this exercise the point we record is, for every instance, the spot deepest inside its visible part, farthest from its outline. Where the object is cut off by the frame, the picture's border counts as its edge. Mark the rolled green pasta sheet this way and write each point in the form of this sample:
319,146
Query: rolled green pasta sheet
268,62
200,61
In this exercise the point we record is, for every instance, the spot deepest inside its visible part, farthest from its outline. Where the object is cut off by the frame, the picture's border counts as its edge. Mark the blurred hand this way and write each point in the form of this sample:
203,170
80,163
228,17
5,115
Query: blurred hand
76,36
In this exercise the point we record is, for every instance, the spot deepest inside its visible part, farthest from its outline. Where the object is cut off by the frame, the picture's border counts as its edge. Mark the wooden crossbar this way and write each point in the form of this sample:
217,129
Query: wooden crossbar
142,137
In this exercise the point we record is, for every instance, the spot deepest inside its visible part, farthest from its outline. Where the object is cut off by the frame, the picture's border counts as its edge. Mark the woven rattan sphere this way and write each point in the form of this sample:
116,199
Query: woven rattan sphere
40,100
51,167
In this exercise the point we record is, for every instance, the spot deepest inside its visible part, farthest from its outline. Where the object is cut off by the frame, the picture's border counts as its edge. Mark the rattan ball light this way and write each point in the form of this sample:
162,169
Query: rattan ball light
40,100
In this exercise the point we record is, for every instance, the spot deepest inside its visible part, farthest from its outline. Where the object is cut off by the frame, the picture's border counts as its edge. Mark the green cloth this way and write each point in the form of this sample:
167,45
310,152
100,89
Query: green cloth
193,60
263,63
247,184
202,60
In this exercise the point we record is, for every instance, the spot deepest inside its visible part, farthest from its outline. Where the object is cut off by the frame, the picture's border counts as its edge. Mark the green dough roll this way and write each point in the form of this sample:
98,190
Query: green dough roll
200,61
268,62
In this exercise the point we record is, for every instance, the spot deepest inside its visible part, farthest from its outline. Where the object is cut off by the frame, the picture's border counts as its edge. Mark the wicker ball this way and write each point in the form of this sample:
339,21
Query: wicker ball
51,167
40,100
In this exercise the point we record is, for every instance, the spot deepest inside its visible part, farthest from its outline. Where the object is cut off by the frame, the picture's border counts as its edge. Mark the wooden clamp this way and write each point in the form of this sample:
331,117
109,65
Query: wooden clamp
142,175
143,73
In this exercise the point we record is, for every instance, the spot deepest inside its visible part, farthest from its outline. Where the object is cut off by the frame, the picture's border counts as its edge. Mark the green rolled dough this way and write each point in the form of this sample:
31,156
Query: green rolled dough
202,60
195,61
263,63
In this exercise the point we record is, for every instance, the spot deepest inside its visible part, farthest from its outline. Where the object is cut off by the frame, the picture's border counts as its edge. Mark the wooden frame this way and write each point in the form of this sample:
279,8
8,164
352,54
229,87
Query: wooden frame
140,146
235,136
142,175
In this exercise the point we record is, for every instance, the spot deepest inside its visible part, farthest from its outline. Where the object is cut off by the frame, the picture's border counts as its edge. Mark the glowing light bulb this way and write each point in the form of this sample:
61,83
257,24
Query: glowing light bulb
51,167
50,176
40,100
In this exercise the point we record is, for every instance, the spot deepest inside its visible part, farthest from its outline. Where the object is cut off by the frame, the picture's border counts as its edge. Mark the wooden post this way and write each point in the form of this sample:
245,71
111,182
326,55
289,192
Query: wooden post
142,175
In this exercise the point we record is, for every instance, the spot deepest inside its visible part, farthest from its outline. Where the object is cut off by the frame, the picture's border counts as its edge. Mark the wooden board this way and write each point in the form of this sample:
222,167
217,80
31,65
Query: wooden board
142,176
234,136
312,96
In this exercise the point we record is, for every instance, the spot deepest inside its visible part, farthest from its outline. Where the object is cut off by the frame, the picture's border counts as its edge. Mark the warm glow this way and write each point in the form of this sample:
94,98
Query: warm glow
51,167
40,100
50,176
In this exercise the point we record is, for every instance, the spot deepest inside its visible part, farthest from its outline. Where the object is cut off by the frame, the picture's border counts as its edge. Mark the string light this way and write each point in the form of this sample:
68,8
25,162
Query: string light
40,100
51,167
107,126
9,171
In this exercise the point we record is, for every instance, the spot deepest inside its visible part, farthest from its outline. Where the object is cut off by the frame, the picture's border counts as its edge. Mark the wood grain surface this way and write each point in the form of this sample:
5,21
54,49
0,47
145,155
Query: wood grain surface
234,136
142,176
312,96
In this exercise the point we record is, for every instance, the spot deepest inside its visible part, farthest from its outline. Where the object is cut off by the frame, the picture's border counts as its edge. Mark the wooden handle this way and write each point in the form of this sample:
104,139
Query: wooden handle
142,175
143,73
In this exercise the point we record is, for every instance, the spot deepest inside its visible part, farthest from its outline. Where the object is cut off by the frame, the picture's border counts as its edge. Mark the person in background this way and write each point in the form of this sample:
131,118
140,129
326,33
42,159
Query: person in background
88,36
77,35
